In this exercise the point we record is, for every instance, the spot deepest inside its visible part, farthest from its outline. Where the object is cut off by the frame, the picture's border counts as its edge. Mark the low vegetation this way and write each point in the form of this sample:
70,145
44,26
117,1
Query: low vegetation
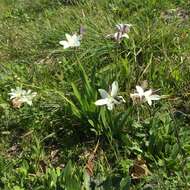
103,108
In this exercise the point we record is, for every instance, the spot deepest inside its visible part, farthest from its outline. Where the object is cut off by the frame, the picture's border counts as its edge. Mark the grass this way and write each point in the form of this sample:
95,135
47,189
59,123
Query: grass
64,141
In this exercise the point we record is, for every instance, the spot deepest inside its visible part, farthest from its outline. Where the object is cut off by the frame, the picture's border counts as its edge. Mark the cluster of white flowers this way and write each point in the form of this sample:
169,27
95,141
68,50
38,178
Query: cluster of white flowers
111,99
74,40
20,96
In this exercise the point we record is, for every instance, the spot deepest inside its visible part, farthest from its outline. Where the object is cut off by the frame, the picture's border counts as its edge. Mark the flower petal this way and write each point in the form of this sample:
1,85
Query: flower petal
140,91
149,101
125,36
119,26
117,35
28,92
155,97
101,102
34,94
103,93
76,37
114,89
68,37
65,44
135,95
148,93
129,25
120,99
76,42
29,102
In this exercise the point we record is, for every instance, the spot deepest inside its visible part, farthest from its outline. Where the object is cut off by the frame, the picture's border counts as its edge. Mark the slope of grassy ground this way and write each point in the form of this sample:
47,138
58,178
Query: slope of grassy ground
63,141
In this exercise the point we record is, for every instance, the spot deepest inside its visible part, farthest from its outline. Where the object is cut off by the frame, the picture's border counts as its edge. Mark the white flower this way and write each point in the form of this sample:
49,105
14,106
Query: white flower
124,28
17,93
72,41
122,31
20,96
145,95
28,96
119,35
110,99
